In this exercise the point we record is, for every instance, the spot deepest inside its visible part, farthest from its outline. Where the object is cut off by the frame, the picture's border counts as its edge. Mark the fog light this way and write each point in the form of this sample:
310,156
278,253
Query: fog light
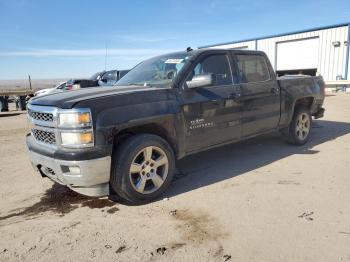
74,170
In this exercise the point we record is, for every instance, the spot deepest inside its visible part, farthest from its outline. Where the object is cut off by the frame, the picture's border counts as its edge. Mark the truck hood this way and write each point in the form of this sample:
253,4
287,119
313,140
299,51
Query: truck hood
68,99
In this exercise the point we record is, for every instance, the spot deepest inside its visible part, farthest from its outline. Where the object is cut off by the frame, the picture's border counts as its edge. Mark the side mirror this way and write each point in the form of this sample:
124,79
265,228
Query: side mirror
201,81
104,80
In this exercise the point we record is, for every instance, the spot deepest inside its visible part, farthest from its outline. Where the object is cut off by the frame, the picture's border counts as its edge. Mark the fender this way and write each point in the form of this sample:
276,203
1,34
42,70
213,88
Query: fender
293,90
158,117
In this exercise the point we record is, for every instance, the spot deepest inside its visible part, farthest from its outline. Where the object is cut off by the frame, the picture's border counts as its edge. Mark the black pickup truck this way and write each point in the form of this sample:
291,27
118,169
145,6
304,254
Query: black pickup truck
125,140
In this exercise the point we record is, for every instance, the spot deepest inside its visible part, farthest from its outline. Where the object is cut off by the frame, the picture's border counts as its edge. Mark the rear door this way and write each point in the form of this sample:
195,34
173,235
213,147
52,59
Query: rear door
260,98
212,116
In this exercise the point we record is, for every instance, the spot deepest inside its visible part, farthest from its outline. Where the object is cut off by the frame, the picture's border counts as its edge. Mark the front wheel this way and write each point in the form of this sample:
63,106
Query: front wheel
142,169
299,129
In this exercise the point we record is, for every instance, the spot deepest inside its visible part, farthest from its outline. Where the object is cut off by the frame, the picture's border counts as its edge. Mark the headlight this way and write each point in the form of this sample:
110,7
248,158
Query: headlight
81,118
77,139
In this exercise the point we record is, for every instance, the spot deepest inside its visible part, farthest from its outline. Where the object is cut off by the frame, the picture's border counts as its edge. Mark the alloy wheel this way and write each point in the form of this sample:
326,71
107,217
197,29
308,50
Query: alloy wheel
149,170
303,126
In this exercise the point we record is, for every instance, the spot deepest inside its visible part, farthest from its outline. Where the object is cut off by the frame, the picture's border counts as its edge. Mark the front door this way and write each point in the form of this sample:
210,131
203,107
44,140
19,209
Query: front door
211,113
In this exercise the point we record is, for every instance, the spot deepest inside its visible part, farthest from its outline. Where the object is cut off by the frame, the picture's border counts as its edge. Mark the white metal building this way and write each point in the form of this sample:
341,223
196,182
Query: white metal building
322,50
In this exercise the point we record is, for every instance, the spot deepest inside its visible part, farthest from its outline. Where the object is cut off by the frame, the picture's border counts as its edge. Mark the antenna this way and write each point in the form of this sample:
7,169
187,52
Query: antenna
106,58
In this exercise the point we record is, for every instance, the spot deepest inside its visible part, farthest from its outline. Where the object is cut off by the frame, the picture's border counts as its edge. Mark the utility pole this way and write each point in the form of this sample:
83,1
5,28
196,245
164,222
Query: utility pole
30,82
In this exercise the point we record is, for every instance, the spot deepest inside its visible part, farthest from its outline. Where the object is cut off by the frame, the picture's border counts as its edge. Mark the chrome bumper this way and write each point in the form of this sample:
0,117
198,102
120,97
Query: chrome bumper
88,177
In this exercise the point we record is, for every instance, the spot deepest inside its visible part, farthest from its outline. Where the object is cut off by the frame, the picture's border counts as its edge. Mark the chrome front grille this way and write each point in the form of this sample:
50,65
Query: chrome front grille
45,128
43,121
44,136
44,116
40,116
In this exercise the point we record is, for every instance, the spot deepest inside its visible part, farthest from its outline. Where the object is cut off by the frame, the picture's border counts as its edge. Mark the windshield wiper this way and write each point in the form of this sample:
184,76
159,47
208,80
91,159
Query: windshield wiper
144,85
130,84
135,84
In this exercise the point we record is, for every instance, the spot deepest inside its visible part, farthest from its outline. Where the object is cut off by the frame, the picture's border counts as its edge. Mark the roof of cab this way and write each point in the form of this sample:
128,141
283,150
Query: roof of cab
202,50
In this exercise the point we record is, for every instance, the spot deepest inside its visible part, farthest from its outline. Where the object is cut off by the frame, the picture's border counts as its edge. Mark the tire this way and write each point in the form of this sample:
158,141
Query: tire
22,103
142,168
2,104
299,129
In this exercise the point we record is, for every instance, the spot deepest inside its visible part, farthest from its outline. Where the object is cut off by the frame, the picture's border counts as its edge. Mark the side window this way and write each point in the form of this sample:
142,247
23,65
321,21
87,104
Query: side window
252,68
215,64
110,76
123,73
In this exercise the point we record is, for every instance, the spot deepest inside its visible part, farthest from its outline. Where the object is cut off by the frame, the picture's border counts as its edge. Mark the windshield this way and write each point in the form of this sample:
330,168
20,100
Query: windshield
156,72
61,86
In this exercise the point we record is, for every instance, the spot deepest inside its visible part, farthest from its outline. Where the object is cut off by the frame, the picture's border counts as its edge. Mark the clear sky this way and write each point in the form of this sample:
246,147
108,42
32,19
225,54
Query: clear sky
68,38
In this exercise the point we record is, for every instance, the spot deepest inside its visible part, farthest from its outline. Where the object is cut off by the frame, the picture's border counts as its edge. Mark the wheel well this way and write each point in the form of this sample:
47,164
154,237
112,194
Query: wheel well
153,128
305,101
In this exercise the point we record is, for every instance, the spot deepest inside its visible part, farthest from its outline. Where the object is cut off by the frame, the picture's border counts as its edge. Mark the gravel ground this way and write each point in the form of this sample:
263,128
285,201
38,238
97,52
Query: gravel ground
258,200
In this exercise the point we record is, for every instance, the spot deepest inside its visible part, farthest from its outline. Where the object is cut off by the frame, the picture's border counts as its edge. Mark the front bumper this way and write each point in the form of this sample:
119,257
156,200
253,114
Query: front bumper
87,177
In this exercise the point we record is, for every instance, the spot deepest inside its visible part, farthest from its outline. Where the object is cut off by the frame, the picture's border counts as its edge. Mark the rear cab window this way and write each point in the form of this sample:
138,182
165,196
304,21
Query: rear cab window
252,68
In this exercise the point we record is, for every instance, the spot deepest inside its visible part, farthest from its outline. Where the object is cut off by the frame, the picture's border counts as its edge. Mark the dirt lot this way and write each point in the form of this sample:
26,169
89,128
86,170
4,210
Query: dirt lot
259,200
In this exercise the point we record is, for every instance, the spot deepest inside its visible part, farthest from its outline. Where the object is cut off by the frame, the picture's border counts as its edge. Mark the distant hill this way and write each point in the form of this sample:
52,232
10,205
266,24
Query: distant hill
24,83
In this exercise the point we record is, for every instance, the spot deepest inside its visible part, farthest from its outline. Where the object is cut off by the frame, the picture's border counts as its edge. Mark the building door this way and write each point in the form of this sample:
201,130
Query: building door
297,57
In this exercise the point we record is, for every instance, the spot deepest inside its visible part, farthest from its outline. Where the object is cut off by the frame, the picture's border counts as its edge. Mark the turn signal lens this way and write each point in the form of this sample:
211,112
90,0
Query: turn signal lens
84,118
86,138
75,119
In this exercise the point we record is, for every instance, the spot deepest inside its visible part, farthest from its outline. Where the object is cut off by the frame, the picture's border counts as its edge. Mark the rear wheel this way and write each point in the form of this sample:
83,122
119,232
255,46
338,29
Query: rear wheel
299,129
142,168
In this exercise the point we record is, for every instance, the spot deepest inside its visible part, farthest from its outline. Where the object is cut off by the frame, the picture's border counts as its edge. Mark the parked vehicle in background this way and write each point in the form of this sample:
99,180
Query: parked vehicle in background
46,91
73,84
125,140
14,95
103,78
111,77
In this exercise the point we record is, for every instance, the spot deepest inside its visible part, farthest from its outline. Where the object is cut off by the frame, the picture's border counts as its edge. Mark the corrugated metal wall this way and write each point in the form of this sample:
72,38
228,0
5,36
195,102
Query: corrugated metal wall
242,45
331,60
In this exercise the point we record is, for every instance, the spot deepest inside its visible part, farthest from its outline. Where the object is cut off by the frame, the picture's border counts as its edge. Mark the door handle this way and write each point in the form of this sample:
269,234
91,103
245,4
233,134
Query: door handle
234,96
274,90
